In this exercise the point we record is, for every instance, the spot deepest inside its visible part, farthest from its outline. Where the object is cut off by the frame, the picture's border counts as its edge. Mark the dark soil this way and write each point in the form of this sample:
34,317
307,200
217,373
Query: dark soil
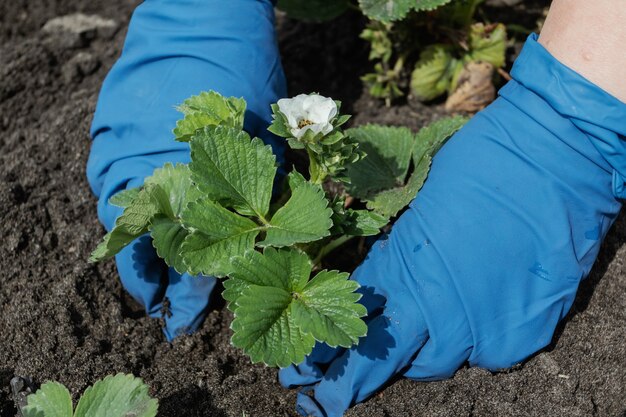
66,320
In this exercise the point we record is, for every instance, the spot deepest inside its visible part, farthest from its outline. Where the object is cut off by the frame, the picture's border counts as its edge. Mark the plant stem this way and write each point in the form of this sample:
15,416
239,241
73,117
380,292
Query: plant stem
331,246
315,171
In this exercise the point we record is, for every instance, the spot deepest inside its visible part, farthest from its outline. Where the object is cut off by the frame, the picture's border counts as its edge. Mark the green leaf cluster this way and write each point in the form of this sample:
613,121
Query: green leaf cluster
384,179
120,395
215,217
200,215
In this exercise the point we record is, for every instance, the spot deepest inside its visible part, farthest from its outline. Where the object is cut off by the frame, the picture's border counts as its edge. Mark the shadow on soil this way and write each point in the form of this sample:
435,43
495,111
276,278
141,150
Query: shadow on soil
614,240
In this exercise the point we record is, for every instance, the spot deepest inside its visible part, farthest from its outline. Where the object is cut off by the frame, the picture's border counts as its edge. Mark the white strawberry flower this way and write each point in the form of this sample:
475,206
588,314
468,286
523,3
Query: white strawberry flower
308,112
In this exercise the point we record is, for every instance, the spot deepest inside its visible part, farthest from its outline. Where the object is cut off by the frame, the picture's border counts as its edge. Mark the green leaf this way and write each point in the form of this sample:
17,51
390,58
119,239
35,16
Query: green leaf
363,222
432,137
167,238
388,152
274,303
389,202
487,43
305,217
264,328
273,268
390,10
433,72
386,10
425,5
280,126
381,46
327,308
175,191
313,10
230,168
260,291
125,197
427,142
176,183
295,179
216,234
458,13
117,396
133,223
51,400
209,109
165,194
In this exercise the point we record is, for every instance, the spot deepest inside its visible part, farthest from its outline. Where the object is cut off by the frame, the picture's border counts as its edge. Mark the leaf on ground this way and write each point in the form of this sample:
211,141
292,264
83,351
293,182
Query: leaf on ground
230,168
118,395
388,152
305,217
209,109
125,197
279,314
313,10
51,400
327,308
216,234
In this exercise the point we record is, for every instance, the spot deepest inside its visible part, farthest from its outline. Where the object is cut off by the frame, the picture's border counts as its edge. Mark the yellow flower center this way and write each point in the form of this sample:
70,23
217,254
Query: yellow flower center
304,122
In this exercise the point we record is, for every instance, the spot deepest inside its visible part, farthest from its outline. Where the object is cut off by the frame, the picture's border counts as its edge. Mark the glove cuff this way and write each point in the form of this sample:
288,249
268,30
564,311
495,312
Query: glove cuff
601,116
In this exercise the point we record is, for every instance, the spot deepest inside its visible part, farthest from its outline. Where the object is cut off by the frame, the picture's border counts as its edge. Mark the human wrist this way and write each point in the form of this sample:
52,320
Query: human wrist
541,78
588,37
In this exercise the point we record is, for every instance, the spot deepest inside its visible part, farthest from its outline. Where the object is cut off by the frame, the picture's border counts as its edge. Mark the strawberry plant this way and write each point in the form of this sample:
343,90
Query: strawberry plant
114,396
215,216
403,61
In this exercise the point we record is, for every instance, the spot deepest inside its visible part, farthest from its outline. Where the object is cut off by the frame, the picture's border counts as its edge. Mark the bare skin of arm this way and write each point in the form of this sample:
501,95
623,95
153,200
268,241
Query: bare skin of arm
589,36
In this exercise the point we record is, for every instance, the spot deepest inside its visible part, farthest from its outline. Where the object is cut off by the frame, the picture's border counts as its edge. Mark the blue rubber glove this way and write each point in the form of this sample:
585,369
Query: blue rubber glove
488,257
175,49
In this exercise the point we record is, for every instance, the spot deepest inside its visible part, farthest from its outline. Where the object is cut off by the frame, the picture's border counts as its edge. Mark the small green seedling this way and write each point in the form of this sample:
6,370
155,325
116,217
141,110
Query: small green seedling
214,216
121,395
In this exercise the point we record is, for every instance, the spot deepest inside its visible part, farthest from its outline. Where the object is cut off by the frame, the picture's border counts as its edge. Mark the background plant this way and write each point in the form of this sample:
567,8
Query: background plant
215,216
421,46
428,51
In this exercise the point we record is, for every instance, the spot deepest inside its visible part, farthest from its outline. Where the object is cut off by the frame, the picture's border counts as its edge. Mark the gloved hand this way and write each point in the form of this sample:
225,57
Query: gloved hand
488,257
175,49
